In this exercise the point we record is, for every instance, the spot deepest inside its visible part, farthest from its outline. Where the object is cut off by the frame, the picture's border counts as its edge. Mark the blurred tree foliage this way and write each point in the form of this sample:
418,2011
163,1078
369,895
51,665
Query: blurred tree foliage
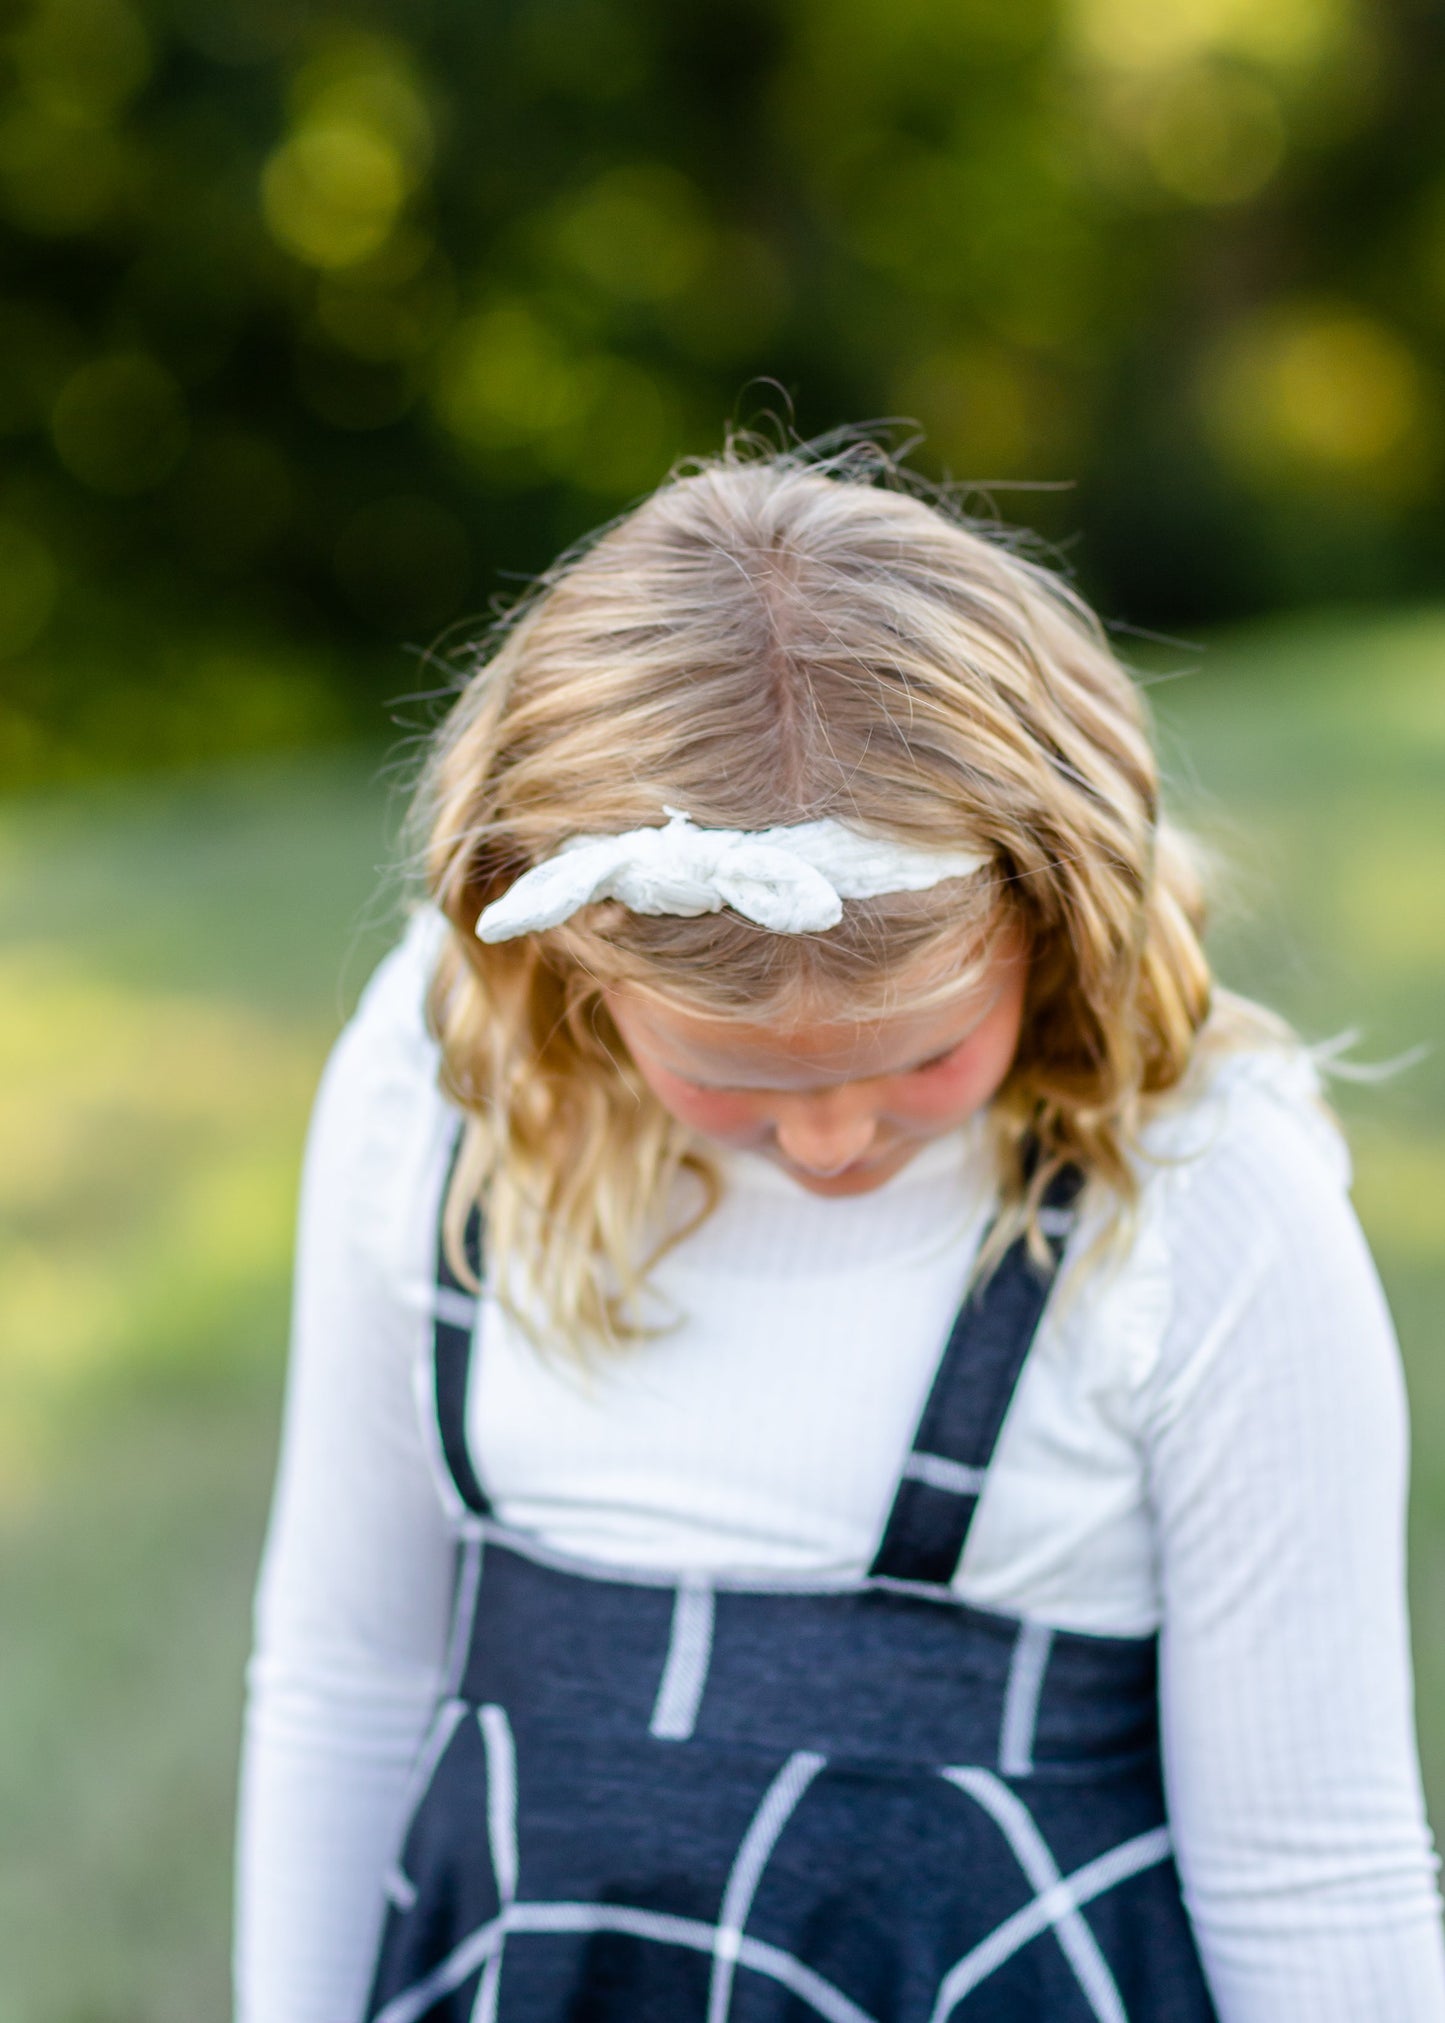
321,319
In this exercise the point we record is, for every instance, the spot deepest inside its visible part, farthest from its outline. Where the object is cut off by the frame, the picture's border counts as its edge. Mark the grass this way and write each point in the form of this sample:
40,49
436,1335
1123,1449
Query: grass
173,964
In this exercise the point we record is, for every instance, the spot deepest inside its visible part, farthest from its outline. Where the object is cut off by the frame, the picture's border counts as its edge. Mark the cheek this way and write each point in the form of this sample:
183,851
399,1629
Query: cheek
969,1079
731,1118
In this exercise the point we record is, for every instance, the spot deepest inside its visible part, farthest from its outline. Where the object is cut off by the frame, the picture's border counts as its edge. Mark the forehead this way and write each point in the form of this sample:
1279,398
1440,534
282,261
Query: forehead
806,1051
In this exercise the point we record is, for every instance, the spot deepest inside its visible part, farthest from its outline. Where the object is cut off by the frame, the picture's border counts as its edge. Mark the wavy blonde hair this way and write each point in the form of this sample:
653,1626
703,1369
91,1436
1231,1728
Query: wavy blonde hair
770,638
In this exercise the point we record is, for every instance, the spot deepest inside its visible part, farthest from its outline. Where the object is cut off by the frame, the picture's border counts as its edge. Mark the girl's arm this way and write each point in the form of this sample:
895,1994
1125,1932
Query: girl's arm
351,1612
1278,1457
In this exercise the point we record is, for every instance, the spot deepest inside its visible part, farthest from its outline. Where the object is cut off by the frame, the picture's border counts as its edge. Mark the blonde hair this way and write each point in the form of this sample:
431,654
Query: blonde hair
770,638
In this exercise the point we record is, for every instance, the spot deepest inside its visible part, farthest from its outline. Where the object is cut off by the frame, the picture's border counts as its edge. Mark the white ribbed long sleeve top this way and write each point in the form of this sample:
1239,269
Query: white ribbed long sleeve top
1208,1438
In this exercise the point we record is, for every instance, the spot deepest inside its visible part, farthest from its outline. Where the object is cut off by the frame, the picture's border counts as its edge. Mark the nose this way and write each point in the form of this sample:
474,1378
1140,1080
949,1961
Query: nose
822,1137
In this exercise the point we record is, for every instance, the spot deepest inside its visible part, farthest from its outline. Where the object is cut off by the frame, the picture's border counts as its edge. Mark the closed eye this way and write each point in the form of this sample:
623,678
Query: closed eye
938,1061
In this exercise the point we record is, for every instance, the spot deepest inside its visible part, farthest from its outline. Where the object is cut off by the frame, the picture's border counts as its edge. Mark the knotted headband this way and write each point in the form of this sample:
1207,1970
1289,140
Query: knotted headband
790,880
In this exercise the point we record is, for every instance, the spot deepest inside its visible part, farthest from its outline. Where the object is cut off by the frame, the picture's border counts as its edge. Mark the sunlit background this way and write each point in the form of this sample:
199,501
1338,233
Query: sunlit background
322,328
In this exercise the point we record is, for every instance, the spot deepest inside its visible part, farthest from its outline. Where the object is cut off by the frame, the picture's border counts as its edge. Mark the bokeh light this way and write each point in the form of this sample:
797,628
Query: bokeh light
333,191
54,183
1140,36
271,266
506,381
990,413
120,424
81,60
638,233
1214,135
1320,391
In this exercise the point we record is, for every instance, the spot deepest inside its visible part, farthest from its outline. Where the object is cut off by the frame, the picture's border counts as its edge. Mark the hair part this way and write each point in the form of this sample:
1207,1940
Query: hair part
775,637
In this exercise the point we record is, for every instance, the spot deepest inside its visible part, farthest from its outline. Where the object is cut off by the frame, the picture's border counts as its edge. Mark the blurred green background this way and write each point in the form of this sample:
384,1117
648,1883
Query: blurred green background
322,327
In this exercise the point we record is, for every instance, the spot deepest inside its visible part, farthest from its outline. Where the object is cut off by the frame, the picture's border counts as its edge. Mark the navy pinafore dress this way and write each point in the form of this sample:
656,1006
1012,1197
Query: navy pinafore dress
645,1800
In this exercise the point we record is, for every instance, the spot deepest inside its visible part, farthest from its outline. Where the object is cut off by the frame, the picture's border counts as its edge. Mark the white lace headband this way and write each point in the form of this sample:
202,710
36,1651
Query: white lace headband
793,881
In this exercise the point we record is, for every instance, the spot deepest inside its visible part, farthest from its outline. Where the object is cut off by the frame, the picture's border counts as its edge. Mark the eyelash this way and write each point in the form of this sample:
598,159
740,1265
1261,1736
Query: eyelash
923,1068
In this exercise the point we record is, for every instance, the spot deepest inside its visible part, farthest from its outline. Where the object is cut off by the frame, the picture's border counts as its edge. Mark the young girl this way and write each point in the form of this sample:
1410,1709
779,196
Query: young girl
844,1454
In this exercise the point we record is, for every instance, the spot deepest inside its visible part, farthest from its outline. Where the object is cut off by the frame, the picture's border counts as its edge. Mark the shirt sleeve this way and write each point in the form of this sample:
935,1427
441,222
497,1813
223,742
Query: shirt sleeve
352,1606
1277,1457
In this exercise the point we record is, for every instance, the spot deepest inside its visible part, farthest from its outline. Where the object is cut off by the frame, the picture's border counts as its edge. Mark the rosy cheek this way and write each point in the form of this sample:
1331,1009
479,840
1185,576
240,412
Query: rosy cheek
716,1113
961,1085
938,1098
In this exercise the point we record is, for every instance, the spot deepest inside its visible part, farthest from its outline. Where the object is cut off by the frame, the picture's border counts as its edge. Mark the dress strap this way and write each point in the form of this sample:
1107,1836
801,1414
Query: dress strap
455,1310
944,1473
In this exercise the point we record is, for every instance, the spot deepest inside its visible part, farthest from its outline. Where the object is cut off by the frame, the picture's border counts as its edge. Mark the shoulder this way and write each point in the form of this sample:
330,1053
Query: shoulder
380,1114
387,1034
1249,1145
1246,1219
390,1014
385,1054
1243,1180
